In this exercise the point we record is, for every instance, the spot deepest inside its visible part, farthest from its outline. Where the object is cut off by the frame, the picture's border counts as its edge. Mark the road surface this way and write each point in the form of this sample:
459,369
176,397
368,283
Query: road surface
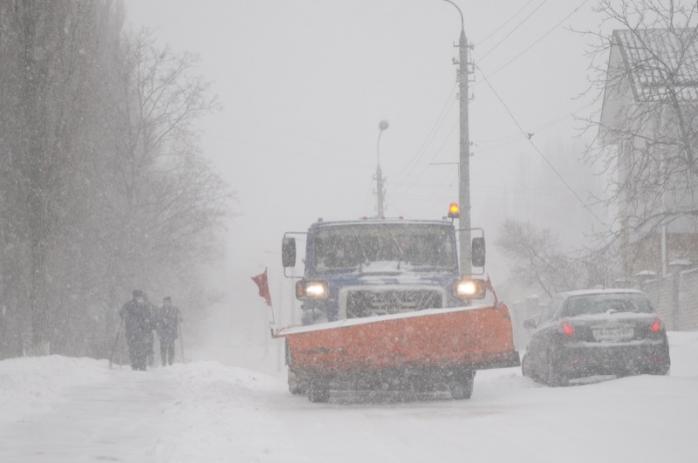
76,410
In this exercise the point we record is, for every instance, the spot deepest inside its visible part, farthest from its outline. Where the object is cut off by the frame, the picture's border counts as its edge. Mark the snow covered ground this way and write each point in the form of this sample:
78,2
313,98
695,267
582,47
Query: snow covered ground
56,409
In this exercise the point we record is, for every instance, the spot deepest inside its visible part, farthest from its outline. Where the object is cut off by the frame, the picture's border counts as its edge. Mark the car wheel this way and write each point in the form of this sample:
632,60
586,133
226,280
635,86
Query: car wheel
461,388
661,370
525,369
554,377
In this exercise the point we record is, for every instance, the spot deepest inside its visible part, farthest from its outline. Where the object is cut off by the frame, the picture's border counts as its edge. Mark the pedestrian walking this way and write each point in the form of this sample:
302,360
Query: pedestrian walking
150,341
168,322
138,327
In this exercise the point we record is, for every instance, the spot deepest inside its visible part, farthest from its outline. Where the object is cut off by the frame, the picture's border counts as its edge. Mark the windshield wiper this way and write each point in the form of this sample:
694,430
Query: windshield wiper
399,249
361,250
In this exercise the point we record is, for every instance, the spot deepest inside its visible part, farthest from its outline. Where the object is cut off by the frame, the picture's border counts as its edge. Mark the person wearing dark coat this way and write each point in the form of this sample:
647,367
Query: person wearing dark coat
138,325
168,328
150,348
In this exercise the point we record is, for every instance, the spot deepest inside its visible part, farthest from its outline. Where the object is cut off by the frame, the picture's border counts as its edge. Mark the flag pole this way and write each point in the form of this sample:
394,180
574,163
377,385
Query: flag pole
262,282
271,302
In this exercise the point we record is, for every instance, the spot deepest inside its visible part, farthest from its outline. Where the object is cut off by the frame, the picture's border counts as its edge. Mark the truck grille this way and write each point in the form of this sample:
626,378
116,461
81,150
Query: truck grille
365,303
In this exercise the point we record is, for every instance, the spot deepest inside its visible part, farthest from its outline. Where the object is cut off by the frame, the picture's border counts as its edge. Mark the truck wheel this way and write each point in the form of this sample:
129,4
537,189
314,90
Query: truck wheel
319,392
295,385
461,388
297,389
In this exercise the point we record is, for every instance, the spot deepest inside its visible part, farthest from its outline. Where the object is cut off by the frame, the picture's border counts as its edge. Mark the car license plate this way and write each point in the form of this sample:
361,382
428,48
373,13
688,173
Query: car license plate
613,334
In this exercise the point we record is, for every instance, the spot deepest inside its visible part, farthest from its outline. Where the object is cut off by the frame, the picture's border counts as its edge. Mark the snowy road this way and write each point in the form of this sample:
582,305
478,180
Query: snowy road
113,420
75,410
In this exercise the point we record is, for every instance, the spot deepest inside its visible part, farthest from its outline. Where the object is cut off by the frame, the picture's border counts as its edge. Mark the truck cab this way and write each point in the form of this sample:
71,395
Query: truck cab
385,306
371,267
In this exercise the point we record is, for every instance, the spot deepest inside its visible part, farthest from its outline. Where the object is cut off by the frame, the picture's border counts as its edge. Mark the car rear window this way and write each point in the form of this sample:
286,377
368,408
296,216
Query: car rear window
591,304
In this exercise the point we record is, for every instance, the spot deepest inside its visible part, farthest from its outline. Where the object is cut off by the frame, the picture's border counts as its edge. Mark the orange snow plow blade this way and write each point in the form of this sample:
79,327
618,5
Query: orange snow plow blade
466,337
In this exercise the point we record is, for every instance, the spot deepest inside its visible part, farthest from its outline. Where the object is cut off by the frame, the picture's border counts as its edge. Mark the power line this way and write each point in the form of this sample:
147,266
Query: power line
509,139
501,26
447,139
518,25
443,145
430,137
538,150
539,39
445,110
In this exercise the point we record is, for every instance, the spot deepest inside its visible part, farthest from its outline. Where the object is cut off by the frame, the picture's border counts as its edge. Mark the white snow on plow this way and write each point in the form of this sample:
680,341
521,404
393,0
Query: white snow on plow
281,332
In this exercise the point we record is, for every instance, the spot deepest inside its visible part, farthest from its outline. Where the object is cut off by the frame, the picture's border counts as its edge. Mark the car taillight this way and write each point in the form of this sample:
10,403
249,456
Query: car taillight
567,329
656,326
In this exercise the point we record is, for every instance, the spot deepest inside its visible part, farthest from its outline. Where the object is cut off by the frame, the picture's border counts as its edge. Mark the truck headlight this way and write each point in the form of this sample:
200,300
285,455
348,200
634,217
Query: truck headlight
469,288
309,289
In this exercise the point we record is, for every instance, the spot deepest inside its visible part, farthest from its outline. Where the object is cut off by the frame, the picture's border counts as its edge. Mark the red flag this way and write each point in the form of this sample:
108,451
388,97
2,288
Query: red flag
263,284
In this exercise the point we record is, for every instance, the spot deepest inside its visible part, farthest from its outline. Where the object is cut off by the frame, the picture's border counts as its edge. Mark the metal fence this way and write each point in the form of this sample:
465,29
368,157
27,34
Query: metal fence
675,298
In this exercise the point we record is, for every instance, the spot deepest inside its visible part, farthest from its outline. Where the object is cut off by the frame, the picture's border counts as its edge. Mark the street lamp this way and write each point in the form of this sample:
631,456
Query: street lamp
382,127
380,190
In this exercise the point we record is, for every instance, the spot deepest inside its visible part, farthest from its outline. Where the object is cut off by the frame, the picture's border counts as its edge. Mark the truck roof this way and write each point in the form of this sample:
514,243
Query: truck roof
374,221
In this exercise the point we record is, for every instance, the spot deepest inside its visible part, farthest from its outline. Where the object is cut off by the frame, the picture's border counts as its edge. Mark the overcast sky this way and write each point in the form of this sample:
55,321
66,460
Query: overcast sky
304,83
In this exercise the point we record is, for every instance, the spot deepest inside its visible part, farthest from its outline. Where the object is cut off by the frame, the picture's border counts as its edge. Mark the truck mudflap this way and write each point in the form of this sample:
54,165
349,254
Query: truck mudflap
454,339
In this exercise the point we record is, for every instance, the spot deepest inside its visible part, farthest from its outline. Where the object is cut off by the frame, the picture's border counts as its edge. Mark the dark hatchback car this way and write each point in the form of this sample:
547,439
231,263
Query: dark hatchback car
596,332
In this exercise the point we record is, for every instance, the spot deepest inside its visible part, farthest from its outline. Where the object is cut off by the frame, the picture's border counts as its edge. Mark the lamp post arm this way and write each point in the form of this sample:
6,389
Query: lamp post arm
378,147
460,12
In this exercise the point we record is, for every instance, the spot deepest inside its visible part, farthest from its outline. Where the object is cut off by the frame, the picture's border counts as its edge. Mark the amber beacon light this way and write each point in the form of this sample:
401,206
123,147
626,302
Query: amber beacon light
453,211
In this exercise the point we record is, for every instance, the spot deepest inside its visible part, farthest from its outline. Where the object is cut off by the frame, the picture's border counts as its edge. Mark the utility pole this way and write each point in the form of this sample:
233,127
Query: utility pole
464,164
380,188
380,192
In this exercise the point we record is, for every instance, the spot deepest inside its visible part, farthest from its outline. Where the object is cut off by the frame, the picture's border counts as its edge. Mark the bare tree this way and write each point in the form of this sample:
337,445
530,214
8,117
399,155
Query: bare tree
645,72
162,199
537,259
102,185
49,63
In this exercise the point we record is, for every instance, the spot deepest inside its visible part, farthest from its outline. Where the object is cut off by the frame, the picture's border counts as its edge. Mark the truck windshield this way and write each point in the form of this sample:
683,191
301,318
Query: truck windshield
414,245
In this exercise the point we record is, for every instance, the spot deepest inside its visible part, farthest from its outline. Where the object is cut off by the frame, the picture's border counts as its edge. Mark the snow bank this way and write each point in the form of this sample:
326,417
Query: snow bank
683,348
35,384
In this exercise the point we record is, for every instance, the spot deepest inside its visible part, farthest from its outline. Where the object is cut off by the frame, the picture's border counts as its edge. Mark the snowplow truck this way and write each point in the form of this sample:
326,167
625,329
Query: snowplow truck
384,306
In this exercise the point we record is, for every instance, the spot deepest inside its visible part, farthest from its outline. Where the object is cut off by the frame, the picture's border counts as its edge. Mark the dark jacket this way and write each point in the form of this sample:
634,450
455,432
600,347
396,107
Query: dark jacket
138,321
168,322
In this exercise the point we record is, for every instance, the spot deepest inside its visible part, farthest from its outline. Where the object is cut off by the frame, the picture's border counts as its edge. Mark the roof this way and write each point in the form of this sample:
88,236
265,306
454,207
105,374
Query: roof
373,221
591,292
658,61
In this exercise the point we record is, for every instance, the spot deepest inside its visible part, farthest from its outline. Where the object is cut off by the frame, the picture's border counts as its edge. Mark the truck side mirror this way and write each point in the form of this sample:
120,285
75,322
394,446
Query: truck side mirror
478,251
288,252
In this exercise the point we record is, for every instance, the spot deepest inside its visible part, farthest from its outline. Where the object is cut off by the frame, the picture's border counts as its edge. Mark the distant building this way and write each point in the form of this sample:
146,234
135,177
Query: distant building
649,117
